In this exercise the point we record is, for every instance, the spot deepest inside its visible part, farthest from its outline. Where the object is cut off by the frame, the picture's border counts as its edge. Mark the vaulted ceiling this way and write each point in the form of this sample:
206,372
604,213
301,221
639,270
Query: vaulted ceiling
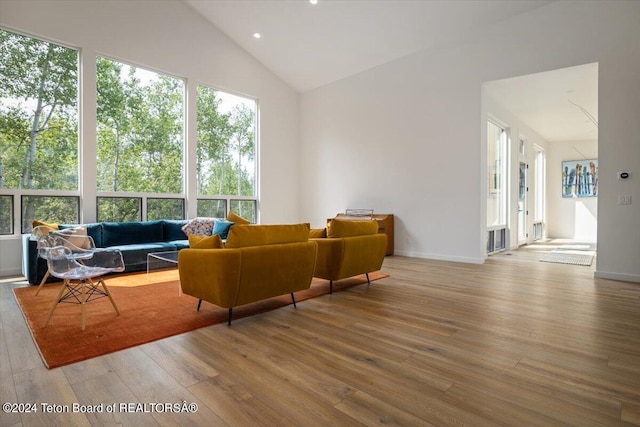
560,105
311,45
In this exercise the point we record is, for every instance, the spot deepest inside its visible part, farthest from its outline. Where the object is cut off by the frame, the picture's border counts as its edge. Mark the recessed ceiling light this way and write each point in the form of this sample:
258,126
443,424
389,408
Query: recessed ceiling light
313,1
257,35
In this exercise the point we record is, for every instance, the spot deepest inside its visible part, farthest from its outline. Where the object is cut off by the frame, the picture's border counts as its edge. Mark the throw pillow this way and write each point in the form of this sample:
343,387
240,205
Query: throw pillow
50,226
75,238
237,219
221,228
200,226
205,242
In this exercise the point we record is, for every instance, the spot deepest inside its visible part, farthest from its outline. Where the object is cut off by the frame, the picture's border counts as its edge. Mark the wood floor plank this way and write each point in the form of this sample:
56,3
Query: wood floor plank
150,384
22,351
50,390
371,411
7,386
287,366
86,370
301,406
235,405
99,392
179,363
630,413
598,405
613,384
411,392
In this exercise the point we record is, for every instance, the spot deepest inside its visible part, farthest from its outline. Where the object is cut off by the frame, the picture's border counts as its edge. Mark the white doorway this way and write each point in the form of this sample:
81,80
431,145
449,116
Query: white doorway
552,118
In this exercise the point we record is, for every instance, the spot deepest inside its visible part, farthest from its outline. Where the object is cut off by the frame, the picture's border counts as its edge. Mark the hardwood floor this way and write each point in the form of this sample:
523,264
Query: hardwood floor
513,342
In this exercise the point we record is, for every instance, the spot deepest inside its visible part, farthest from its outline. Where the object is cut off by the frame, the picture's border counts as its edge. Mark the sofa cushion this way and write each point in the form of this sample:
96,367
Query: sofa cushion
205,242
222,228
126,233
237,219
180,244
172,230
338,228
259,235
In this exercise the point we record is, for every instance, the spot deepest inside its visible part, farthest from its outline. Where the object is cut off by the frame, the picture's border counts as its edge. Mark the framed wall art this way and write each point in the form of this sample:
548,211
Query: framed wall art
580,178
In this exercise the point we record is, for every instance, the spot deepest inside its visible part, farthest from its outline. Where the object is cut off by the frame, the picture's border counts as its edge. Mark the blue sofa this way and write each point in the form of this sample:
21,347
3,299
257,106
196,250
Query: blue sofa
134,239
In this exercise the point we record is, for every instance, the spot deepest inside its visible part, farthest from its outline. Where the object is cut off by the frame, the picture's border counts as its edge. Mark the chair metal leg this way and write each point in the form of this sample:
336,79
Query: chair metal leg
330,286
368,281
42,282
229,319
199,303
293,298
83,302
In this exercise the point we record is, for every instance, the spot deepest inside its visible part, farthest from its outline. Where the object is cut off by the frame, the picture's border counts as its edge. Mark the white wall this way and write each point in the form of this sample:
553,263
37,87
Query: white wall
170,37
406,137
570,218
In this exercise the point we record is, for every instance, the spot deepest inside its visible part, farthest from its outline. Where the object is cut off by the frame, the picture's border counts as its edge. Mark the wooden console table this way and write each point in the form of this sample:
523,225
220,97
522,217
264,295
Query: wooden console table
385,225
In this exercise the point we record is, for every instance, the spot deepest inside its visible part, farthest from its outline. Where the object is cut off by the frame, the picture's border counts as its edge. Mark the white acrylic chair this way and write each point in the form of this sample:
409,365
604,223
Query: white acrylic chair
78,275
82,246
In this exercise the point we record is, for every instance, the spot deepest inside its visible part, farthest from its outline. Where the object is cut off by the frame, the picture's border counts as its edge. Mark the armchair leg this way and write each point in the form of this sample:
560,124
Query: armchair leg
230,314
199,303
293,298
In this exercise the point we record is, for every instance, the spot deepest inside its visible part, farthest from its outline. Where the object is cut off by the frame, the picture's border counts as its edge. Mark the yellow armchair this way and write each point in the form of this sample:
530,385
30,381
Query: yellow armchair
258,262
350,248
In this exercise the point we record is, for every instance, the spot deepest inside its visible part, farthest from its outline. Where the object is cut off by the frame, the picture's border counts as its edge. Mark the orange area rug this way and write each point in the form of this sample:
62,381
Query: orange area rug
147,313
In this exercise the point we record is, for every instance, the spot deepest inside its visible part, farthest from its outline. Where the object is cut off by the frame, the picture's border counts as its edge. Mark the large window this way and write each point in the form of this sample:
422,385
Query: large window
140,153
38,125
140,139
226,129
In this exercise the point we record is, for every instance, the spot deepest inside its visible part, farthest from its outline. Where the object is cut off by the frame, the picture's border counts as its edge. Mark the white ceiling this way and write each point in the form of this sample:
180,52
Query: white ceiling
543,101
309,46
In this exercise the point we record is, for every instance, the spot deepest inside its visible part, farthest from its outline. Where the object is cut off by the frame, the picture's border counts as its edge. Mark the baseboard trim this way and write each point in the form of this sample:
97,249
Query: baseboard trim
10,272
438,257
617,276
